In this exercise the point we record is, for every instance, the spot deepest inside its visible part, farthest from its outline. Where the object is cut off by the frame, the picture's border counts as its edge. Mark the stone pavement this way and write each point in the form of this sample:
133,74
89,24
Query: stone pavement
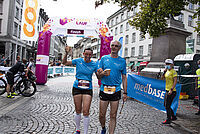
51,111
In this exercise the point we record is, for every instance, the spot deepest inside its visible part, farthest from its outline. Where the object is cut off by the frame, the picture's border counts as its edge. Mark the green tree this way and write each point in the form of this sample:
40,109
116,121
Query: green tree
153,13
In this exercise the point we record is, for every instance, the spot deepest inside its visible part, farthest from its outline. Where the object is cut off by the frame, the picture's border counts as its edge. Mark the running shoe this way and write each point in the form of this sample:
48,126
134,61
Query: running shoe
198,113
103,131
14,94
166,122
77,132
174,118
10,96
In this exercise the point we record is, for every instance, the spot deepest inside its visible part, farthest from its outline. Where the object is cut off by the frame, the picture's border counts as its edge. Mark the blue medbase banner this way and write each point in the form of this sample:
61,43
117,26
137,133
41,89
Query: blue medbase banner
69,70
50,70
150,91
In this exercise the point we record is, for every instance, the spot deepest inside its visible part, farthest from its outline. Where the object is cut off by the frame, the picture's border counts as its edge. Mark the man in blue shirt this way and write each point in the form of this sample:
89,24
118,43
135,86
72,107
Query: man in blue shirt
112,71
82,87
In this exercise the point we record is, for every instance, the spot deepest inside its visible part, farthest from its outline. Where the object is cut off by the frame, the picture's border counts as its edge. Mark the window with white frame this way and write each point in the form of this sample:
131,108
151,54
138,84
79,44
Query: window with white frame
133,37
141,37
0,24
1,7
121,29
127,26
15,29
149,49
17,13
21,14
133,51
126,39
140,50
134,10
126,52
127,14
190,20
122,16
180,17
116,31
112,22
191,6
19,31
116,21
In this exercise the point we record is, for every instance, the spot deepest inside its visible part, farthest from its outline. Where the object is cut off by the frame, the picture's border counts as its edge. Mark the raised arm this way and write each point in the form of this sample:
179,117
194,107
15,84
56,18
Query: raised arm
65,62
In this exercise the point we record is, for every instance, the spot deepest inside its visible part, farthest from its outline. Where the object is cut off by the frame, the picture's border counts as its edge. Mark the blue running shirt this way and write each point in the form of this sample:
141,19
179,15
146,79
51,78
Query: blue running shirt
117,66
84,71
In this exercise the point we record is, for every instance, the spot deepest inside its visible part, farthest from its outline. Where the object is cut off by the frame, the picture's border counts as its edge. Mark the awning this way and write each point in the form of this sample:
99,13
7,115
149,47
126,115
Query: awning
137,65
130,64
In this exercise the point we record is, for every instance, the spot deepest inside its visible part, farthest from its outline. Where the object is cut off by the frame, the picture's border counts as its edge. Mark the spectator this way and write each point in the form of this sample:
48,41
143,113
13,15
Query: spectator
17,59
170,76
198,86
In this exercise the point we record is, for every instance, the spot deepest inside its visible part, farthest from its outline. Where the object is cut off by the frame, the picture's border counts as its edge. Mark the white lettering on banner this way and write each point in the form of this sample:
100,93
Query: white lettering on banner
42,59
149,90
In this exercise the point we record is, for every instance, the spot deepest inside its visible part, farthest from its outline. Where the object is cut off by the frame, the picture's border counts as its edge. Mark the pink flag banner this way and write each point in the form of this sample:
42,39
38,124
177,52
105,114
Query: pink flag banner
105,45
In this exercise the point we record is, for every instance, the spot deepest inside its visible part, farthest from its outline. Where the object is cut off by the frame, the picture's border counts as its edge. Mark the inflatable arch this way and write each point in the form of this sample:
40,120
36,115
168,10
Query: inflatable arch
71,27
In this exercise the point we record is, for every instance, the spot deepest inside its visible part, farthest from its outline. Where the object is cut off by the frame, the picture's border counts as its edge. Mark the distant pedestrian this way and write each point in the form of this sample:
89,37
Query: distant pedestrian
170,75
3,61
82,87
17,59
198,85
31,69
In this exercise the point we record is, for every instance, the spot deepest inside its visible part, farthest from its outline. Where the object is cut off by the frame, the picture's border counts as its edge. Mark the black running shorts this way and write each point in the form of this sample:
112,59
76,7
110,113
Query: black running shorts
10,78
110,97
76,91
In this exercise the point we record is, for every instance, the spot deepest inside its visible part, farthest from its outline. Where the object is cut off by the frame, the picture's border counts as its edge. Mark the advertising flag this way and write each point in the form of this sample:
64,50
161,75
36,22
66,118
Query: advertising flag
29,25
121,41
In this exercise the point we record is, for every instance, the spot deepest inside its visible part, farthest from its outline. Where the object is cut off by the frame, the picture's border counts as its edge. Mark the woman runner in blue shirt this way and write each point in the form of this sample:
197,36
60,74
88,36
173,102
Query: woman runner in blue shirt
82,87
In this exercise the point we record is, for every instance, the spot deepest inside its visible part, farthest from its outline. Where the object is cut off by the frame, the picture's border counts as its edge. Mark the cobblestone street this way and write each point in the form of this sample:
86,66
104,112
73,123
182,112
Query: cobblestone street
51,110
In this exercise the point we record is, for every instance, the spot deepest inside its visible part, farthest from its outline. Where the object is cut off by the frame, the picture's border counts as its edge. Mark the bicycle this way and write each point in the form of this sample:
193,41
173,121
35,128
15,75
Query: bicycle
22,85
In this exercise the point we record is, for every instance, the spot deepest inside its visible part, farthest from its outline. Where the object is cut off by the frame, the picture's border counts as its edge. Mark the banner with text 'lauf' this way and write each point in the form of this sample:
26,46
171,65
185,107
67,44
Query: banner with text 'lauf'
29,25
150,91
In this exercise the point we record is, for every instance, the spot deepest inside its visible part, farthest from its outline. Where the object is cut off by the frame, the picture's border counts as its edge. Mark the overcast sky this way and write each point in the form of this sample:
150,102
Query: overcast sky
78,9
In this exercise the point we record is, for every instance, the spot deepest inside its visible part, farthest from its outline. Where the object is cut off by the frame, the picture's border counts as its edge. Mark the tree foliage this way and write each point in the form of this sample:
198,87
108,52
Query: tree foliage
153,13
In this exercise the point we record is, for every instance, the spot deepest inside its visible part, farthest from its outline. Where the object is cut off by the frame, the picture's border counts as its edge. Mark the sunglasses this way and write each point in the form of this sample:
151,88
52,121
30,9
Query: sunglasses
114,45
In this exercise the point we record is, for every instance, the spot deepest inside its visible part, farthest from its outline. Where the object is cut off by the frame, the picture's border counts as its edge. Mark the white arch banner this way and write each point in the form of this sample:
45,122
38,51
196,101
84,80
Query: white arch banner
76,27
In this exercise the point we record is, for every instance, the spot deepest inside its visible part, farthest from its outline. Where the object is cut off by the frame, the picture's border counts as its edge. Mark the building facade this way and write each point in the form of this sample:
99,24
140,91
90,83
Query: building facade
93,43
137,49
11,45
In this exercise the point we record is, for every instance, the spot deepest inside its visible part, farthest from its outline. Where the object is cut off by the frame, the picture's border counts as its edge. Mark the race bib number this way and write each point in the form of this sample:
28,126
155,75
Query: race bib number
84,84
109,89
